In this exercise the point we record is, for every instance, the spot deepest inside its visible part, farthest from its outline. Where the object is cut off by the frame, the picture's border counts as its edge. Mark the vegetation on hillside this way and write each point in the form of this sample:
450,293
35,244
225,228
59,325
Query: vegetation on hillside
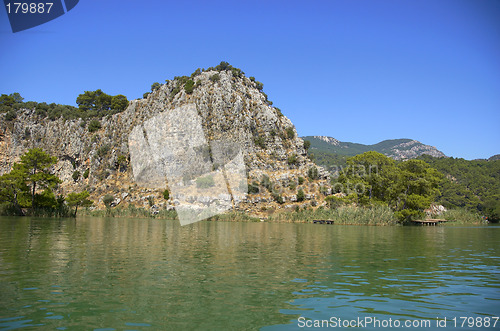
372,178
29,188
91,104
474,185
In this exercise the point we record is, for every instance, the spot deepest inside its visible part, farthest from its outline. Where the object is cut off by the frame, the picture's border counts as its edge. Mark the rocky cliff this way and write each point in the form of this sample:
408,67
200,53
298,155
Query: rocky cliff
180,125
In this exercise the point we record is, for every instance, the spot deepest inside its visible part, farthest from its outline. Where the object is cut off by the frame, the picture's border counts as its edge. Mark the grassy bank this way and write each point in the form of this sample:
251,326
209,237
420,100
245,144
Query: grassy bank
377,215
462,216
129,211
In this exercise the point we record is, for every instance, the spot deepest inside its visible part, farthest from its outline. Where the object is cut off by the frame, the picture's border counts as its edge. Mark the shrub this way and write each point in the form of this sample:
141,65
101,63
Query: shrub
119,102
189,87
301,180
260,141
11,115
292,159
277,197
94,125
312,173
289,133
292,185
253,189
121,162
103,150
333,201
86,173
155,86
301,195
215,78
145,95
205,182
166,194
259,85
108,200
151,200
307,145
76,175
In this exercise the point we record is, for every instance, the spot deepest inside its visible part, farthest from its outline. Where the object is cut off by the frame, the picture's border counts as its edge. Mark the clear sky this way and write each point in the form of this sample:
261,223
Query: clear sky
356,70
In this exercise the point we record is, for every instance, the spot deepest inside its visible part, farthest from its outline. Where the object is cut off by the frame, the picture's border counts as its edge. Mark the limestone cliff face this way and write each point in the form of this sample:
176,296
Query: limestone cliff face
229,108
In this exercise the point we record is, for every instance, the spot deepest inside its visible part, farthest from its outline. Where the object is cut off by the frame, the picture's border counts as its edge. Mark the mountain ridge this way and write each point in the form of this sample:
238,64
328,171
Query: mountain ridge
398,149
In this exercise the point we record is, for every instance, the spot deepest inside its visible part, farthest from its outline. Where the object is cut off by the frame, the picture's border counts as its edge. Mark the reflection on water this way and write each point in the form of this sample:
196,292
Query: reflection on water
139,274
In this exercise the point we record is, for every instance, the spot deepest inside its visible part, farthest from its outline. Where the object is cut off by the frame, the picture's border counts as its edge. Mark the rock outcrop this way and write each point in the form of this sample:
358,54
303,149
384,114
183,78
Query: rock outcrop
226,106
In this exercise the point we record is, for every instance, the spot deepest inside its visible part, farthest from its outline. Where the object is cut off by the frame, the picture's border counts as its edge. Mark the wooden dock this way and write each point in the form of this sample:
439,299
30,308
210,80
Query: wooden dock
431,221
323,221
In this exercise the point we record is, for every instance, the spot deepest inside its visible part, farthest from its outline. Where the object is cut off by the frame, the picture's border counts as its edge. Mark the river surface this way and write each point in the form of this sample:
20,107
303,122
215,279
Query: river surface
147,274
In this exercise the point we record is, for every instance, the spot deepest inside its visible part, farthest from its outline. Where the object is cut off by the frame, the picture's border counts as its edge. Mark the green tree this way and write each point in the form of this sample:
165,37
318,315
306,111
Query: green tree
313,173
14,190
166,194
94,125
300,195
155,86
6,102
17,97
374,171
35,167
119,102
108,200
215,78
416,188
189,87
78,200
94,100
307,145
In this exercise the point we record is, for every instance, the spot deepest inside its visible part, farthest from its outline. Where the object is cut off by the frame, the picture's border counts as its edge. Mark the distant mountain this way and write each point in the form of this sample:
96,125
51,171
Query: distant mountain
494,157
398,149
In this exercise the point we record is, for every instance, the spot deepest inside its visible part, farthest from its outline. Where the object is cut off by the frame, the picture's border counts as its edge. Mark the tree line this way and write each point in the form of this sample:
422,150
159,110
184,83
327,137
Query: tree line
91,104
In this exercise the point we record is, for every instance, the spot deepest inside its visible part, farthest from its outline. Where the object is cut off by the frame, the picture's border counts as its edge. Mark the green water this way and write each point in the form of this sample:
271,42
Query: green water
131,274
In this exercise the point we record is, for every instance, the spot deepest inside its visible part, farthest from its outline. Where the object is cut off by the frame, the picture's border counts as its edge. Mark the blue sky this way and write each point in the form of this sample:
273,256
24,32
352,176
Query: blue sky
357,70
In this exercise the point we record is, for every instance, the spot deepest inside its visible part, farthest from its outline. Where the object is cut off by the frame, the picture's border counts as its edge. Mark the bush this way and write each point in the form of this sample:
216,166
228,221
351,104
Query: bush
86,173
289,133
333,201
205,182
103,150
166,194
94,125
108,200
121,162
277,197
253,189
292,159
151,200
189,87
300,195
215,78
259,85
312,173
260,141
292,185
155,86
76,175
301,180
307,145
119,102
11,115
